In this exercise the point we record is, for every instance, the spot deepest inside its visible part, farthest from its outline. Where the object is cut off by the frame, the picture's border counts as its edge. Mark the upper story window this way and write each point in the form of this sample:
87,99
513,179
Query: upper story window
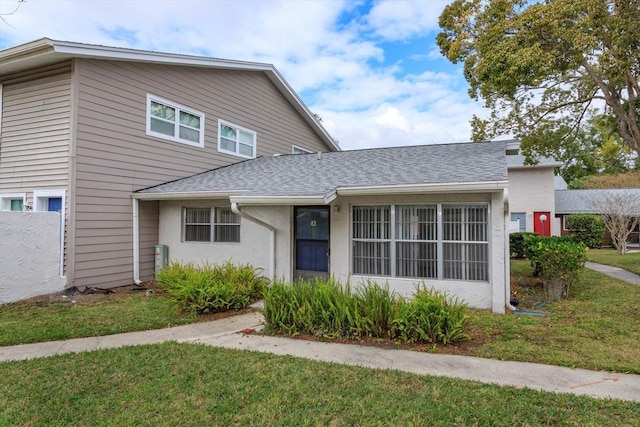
174,122
233,139
297,150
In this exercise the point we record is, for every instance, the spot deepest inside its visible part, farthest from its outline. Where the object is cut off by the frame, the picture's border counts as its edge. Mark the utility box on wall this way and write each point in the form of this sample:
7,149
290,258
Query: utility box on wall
161,254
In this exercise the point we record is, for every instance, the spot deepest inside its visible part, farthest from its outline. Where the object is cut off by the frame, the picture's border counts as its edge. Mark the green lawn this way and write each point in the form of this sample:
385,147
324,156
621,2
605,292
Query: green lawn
630,261
593,329
28,322
193,385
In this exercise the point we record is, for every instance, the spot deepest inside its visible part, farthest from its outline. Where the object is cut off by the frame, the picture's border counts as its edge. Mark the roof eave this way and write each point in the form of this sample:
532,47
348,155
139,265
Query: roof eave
184,195
451,187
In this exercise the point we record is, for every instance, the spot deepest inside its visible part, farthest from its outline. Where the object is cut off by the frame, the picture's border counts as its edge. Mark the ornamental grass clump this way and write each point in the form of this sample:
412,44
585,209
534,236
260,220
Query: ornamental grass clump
328,309
211,288
431,316
559,261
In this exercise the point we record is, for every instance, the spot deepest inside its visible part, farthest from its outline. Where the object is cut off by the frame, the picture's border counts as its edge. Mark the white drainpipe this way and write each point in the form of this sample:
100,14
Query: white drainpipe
235,208
136,243
507,252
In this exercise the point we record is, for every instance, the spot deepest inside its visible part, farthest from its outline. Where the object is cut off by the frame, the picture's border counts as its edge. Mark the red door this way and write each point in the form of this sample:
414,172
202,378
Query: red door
542,223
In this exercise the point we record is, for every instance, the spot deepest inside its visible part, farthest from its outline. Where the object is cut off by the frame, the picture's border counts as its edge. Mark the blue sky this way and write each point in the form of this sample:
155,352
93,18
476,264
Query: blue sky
370,69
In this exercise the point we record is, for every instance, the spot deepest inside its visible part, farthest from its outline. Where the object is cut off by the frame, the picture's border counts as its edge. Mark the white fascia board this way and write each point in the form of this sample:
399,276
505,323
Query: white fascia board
452,187
538,166
182,195
280,200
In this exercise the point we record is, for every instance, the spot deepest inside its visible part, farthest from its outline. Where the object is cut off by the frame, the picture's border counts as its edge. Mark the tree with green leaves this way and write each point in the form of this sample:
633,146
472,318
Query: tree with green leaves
544,68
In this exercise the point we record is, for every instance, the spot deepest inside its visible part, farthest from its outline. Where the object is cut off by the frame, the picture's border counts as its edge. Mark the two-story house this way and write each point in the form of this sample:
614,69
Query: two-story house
83,126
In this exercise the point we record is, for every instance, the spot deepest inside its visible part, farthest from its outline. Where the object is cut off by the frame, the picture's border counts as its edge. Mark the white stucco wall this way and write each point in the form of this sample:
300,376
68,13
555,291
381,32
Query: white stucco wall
254,239
531,190
29,255
254,244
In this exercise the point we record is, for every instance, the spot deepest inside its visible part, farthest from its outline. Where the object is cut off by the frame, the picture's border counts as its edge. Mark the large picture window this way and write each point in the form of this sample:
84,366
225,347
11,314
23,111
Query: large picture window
235,140
421,241
210,224
171,121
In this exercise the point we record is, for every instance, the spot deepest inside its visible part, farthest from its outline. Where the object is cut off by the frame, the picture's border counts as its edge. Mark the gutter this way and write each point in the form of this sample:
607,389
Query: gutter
235,208
136,243
507,254
481,186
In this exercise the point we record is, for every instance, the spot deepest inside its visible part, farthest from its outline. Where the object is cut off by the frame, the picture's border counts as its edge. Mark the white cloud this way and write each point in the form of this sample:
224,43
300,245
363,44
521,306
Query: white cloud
333,57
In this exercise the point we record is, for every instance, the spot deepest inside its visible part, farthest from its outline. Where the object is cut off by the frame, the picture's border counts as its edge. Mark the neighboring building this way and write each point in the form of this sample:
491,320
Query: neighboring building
590,202
433,213
531,193
84,126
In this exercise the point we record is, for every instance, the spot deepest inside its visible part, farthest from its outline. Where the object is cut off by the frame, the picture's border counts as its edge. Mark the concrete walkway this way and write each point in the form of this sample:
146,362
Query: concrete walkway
615,272
231,333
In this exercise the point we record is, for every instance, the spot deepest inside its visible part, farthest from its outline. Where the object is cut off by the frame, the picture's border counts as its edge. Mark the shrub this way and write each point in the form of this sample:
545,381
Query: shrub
586,228
559,260
517,245
205,289
431,317
329,309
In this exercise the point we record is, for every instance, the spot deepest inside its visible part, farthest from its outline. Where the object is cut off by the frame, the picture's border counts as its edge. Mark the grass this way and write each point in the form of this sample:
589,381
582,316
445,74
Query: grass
630,261
192,385
593,329
36,321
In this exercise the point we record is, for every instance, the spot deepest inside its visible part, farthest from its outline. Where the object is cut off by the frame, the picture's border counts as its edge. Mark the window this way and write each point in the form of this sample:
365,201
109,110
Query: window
12,202
53,201
171,121
465,242
297,150
518,222
199,227
235,140
421,241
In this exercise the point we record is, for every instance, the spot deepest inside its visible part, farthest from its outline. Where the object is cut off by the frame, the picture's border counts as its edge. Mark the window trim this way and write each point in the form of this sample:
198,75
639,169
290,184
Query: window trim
393,240
176,135
39,198
237,151
213,223
6,198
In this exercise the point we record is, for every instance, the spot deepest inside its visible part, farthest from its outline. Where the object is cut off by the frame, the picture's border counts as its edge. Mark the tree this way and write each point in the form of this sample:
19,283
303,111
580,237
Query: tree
596,149
620,212
543,68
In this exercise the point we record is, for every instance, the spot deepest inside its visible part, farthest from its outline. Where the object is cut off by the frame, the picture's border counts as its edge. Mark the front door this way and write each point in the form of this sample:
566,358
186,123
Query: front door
312,242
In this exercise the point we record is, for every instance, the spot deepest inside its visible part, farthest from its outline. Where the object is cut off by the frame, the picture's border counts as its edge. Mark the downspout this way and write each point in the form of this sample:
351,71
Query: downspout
507,254
235,208
136,243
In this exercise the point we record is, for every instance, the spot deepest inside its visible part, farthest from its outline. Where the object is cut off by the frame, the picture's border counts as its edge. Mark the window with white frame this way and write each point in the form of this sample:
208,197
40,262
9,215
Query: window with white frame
437,241
210,225
297,150
174,122
233,139
12,202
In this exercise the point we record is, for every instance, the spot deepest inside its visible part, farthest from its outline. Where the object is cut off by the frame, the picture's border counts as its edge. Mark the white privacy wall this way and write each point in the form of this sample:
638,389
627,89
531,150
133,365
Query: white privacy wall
29,255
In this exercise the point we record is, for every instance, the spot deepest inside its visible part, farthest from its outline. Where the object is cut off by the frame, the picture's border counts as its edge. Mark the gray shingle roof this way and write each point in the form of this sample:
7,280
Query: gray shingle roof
517,160
314,175
582,201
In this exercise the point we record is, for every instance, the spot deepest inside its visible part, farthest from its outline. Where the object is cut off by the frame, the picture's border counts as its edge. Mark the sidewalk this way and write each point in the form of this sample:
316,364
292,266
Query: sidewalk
615,272
228,333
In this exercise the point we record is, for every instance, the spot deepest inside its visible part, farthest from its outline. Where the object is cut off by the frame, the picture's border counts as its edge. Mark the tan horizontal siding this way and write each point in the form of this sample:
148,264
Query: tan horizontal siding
116,157
35,131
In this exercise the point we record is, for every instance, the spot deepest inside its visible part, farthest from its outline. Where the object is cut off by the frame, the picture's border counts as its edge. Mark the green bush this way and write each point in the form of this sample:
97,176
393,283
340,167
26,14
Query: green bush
586,228
209,289
559,260
516,244
329,309
430,316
